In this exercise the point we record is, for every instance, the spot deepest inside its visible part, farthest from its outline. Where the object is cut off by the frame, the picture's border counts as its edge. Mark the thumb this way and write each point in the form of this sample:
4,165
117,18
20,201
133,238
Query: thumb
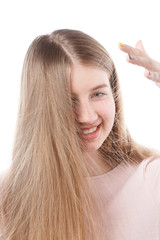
140,46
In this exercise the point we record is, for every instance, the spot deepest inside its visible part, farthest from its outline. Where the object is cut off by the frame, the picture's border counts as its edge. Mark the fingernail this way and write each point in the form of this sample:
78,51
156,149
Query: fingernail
121,44
130,57
150,73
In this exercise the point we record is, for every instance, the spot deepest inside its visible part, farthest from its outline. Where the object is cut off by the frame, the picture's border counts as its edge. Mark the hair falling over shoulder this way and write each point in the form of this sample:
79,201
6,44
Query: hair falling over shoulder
45,195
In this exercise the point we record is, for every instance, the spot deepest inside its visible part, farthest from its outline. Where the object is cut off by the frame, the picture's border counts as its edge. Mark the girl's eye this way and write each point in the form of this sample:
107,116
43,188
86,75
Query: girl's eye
98,94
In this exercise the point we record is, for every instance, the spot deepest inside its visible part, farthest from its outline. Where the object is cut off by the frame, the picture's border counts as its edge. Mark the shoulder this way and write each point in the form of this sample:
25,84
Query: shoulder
151,174
151,167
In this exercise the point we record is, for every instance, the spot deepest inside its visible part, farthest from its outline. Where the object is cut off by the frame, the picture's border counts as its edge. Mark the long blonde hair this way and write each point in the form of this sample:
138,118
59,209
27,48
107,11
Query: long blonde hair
45,195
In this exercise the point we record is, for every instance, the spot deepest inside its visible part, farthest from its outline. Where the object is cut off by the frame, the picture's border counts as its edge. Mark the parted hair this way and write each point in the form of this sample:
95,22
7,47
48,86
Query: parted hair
45,195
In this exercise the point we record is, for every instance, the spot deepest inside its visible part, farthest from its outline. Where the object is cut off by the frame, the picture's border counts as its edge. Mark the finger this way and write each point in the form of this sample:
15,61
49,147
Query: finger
140,46
140,61
130,50
145,62
154,76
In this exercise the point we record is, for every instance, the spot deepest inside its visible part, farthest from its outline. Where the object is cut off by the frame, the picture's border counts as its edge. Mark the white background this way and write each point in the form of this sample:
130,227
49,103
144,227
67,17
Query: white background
107,21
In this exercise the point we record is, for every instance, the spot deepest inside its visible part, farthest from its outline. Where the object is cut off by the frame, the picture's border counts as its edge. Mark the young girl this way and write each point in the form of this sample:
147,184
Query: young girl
76,172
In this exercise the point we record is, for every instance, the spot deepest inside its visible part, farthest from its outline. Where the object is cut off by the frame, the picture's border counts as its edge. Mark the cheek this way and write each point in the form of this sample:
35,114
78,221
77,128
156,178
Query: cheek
107,111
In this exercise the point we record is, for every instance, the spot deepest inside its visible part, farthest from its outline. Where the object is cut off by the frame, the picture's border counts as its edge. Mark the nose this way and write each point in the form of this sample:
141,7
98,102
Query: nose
85,113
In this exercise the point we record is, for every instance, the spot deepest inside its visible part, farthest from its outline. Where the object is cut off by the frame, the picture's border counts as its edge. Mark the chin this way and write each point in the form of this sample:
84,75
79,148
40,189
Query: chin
92,147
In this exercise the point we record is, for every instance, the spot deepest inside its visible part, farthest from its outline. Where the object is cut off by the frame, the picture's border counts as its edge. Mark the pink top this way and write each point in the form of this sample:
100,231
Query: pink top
129,201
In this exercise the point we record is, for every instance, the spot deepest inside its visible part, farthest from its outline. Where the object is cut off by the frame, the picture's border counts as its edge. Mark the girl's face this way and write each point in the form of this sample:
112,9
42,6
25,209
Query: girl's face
94,105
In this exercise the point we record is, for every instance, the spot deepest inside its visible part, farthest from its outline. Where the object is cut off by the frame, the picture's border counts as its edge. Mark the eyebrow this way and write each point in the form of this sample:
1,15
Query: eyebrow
99,86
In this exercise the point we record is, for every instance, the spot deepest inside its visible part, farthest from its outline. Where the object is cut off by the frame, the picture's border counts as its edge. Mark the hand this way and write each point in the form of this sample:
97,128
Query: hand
138,56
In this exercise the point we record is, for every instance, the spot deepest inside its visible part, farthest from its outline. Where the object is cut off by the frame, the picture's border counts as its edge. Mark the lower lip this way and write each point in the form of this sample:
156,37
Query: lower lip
91,136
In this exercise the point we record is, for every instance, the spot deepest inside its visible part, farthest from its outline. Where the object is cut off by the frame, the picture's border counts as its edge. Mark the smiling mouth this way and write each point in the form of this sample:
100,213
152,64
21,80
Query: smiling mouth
90,134
88,131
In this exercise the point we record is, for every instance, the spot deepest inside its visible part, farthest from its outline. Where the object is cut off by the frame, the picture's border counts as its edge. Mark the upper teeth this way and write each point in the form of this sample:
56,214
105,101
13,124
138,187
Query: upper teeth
89,130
